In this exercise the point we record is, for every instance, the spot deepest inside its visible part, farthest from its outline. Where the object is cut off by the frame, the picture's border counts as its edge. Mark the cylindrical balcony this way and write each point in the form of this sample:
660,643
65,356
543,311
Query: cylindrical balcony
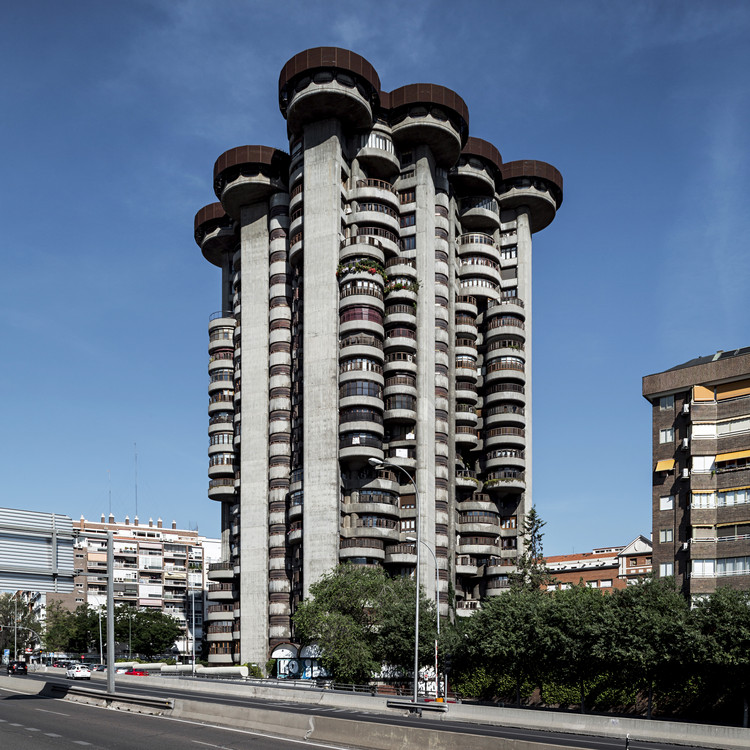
535,185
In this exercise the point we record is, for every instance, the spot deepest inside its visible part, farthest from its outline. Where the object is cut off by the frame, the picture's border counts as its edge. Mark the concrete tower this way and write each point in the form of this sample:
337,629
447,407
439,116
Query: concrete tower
383,274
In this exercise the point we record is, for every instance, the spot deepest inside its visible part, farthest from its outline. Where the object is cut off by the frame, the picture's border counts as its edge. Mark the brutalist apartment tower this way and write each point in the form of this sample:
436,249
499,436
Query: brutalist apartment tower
375,307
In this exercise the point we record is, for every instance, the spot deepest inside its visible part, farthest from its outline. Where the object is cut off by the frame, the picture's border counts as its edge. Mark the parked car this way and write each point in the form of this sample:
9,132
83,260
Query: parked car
78,672
17,667
100,668
135,672
121,670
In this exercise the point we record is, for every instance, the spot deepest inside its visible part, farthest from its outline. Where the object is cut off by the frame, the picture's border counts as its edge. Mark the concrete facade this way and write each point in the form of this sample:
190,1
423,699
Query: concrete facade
700,433
381,312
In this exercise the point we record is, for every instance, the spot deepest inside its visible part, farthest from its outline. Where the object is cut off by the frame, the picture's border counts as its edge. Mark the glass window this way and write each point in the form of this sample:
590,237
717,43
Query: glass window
666,435
666,569
666,502
665,535
606,583
666,402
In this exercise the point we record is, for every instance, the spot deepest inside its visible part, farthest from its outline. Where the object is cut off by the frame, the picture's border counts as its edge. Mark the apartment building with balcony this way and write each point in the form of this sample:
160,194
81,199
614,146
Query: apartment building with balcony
154,566
604,568
701,471
375,304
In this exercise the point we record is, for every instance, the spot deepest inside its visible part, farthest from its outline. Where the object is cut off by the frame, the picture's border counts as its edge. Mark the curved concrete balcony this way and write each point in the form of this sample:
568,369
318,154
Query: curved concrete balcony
296,246
466,374
466,414
472,176
420,126
406,317
489,527
387,241
410,464
361,345
468,481
499,371
402,266
514,346
479,213
509,393
497,587
381,509
400,366
485,505
466,435
220,571
466,330
504,332
360,453
347,553
375,218
220,635
246,188
505,485
509,418
478,243
387,532
465,350
296,511
364,327
500,462
222,470
541,204
356,296
370,402
502,436
505,306
294,536
400,415
222,489
296,197
497,570
477,549
375,190
361,246
401,554
321,99
379,160
369,375
467,570
362,426
467,304
395,295
466,392
295,226
482,271
395,339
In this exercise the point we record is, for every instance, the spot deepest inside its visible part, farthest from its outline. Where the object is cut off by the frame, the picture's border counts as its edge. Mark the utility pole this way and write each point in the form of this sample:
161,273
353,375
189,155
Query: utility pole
110,612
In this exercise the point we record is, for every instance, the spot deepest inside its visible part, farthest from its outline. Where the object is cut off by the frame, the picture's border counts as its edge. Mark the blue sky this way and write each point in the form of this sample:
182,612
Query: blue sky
112,117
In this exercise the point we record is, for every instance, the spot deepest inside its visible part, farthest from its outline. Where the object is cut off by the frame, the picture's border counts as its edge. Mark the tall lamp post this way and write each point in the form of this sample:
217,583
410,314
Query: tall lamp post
383,464
437,610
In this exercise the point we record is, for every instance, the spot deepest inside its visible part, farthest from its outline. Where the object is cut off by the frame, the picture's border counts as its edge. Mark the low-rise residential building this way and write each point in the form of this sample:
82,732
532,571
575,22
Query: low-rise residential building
603,568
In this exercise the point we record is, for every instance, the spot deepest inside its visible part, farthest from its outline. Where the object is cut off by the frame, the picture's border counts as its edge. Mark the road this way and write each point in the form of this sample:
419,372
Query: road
85,726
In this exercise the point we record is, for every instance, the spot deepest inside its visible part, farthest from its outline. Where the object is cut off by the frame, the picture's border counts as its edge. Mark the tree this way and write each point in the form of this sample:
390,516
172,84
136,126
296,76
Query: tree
361,619
652,632
532,570
148,632
18,626
580,623
74,632
511,635
723,621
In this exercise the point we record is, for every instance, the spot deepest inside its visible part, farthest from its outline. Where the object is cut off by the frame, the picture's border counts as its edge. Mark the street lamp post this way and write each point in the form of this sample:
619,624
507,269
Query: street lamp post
437,611
381,464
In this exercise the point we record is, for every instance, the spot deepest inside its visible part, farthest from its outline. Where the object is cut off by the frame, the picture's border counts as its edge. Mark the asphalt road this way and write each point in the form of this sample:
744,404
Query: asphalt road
544,738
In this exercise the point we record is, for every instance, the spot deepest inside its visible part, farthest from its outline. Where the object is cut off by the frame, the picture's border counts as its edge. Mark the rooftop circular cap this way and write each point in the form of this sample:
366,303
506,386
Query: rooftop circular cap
520,185
246,174
531,168
213,243
431,93
483,150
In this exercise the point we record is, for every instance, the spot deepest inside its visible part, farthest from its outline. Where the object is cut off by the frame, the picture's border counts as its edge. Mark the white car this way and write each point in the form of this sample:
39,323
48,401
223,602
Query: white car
78,672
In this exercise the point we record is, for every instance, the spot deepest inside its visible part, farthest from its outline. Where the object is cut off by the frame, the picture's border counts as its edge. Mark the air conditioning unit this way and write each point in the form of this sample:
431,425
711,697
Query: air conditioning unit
686,473
686,408
685,546
685,444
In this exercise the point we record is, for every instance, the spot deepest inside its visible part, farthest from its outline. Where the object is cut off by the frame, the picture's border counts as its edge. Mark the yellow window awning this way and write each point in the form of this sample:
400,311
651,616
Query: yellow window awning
666,464
701,393
732,390
732,456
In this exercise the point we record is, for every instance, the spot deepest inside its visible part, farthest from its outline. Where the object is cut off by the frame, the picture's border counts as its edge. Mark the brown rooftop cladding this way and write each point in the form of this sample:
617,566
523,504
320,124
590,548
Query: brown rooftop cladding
328,57
532,168
484,150
430,93
252,155
211,212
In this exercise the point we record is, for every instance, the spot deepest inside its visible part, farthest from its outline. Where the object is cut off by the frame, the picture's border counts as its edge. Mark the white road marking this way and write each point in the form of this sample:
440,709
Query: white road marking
57,713
32,729
80,742
52,734
13,724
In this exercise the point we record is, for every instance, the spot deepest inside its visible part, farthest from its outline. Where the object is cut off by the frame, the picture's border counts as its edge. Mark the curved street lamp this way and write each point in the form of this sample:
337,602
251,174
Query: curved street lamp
377,463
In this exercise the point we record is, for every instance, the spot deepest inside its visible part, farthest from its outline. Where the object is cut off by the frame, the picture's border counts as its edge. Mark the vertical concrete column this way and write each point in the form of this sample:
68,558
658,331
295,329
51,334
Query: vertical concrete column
320,529
523,234
226,281
425,257
254,455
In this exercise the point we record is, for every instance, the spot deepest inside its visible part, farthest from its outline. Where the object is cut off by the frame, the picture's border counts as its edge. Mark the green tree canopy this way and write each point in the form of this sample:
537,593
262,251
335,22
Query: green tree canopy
532,570
362,619
147,632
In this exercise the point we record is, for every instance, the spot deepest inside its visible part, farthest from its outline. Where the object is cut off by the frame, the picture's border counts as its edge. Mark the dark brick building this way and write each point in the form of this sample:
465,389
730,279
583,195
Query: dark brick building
701,471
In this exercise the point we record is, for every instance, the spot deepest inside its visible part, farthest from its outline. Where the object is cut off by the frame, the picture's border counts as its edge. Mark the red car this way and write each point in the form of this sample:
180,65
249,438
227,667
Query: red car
135,672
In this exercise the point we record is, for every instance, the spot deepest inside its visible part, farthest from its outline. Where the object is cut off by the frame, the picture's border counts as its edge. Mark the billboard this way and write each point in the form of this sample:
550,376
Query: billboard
36,551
